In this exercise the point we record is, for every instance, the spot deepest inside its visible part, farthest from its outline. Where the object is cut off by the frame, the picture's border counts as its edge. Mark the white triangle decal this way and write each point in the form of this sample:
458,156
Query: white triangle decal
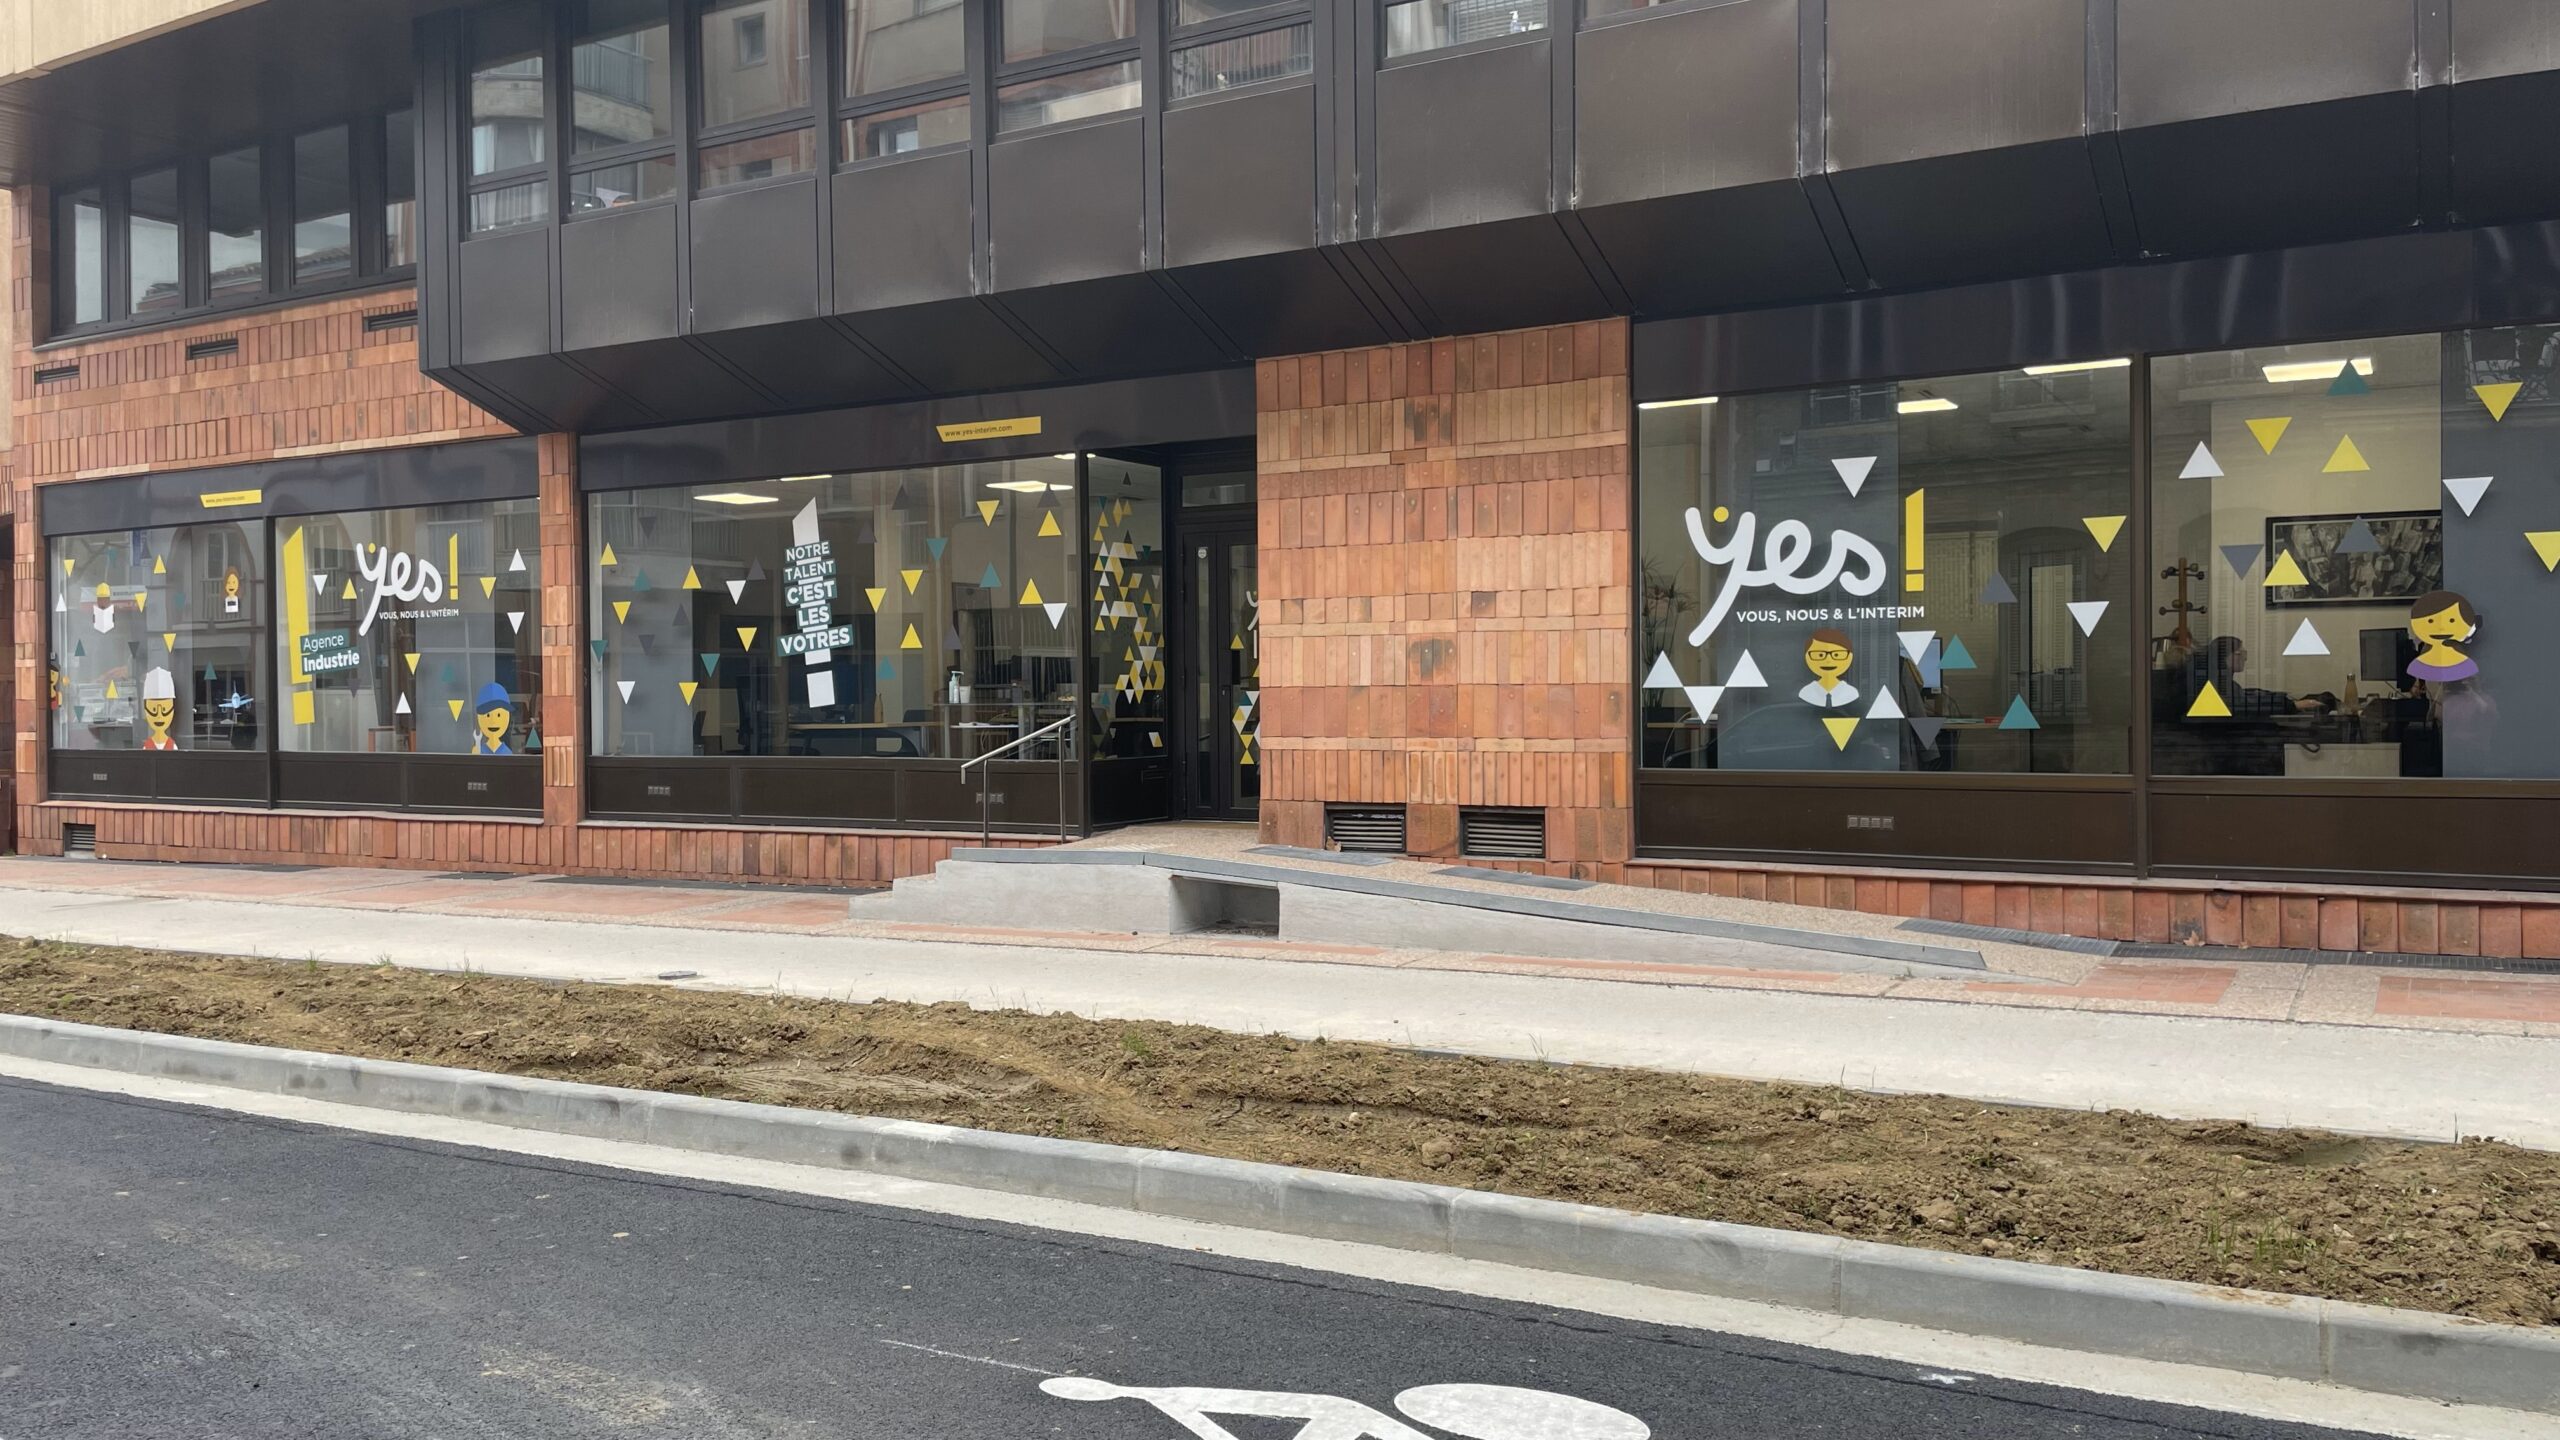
516,565
1746,675
515,620
58,607
2088,613
1885,708
2306,641
1703,698
2467,491
1662,676
403,707
1057,612
320,583
626,687
1915,643
737,591
2200,465
1854,472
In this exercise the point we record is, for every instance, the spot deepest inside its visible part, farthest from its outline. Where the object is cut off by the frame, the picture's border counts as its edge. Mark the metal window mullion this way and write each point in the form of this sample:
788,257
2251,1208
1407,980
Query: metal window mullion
978,30
1155,63
195,246
826,53
368,191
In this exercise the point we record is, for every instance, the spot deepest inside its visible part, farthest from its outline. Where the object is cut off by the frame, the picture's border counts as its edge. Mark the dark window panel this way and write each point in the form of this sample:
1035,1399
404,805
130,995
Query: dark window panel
618,69
1415,26
765,157
1281,54
611,186
1054,99
323,207
1202,12
908,128
1033,28
510,205
754,59
893,44
80,257
151,244
400,189
509,111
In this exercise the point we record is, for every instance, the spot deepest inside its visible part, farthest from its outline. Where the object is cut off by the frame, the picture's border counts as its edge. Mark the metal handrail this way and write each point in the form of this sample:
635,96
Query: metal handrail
986,805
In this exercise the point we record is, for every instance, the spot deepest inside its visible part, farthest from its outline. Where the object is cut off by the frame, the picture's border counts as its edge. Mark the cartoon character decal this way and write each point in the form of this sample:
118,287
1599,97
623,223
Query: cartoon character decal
1829,655
103,614
159,709
53,686
493,715
2443,623
231,592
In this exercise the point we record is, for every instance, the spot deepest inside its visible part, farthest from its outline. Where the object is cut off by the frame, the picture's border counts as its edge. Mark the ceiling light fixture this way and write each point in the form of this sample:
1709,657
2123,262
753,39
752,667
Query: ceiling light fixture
1930,406
796,479
735,497
2316,370
1020,487
1677,404
2078,365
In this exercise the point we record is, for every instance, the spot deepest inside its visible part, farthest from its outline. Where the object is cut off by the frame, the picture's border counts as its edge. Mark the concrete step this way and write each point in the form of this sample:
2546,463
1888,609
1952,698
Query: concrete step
1154,893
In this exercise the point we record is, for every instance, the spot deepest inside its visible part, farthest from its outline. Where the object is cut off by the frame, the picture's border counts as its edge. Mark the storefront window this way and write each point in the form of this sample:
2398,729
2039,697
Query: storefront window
1124,583
1924,576
411,631
918,613
159,639
2356,568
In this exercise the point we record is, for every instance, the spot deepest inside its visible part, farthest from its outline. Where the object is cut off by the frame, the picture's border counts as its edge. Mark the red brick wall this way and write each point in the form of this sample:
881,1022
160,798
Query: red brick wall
1444,568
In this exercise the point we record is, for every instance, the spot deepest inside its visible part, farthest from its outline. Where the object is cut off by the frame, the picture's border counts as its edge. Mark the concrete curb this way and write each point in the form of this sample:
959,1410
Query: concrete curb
2362,1347
1866,947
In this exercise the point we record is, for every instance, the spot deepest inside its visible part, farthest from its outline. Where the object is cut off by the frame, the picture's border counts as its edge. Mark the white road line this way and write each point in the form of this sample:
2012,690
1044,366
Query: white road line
973,1359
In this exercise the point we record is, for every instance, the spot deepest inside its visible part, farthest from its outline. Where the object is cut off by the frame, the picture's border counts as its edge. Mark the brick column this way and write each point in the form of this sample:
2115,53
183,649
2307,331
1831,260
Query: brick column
25,694
563,706
1445,572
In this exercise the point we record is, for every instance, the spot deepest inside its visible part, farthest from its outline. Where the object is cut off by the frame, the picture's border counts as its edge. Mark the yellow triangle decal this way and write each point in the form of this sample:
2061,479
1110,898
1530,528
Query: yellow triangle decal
159,565
987,510
2345,458
488,586
413,663
2270,431
169,641
2546,543
1031,592
688,687
2209,705
111,690
1236,644
66,568
622,611
1049,526
349,593
141,598
876,594
2104,528
692,579
913,579
2286,571
746,637
608,554
911,642
2498,397
1840,727
455,706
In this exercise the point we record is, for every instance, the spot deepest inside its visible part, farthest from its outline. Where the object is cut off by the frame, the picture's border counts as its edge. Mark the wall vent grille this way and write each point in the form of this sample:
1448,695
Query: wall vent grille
1502,834
381,320
1365,829
79,839
213,349
51,374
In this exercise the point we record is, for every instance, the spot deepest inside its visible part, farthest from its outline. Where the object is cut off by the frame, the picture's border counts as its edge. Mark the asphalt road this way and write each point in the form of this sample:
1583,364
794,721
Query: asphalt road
173,1272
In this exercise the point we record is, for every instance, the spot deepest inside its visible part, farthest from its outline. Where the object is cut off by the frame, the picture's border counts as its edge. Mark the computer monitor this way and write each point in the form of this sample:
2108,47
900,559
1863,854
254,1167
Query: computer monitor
2385,655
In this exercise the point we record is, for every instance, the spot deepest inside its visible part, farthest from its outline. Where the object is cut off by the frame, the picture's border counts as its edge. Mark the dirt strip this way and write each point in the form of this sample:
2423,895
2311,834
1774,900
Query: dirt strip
2471,1229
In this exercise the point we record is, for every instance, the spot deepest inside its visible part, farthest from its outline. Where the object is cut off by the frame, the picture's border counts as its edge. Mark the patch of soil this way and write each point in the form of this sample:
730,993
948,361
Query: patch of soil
2471,1229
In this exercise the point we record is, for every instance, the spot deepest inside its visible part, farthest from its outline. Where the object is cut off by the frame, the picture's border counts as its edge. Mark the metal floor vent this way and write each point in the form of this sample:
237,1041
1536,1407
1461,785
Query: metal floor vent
1502,834
1364,828
79,839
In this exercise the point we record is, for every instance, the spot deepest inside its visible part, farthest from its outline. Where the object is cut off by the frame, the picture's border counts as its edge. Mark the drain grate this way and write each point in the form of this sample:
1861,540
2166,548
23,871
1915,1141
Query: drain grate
1365,829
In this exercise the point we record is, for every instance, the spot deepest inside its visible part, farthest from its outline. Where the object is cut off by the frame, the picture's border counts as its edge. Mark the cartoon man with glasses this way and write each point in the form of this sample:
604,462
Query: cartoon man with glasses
1472,1412
1829,655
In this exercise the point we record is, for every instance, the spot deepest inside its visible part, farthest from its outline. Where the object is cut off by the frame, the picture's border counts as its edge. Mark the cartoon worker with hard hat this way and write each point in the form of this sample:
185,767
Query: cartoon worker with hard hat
103,614
493,715
159,709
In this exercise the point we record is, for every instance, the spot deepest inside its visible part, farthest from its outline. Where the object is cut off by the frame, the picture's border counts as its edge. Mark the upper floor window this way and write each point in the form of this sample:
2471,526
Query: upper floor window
906,77
1067,60
1034,28
753,57
1416,26
510,118
622,109
1223,45
291,214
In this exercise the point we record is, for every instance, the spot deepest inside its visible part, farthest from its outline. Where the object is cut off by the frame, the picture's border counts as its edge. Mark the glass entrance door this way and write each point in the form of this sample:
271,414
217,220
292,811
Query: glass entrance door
1223,693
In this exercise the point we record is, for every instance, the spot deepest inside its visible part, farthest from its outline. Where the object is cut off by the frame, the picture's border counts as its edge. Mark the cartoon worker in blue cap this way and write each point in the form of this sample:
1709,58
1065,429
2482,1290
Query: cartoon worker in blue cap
493,716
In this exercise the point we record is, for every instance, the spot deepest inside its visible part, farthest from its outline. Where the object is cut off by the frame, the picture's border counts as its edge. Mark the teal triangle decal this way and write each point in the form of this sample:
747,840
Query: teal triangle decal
710,664
598,647
934,544
2019,716
2350,381
640,583
990,580
1956,657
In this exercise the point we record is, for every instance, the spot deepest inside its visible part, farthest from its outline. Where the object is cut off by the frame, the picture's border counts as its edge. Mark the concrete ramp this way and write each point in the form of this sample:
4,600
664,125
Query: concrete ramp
1153,893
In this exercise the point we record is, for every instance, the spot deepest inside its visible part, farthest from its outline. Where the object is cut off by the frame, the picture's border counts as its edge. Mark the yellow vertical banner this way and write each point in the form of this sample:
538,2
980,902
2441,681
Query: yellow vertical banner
1915,550
297,623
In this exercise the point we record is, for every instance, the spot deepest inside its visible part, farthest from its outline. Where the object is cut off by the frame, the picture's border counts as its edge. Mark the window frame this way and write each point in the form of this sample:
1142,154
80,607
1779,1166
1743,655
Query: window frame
549,170
1148,37
848,108
368,162
1260,20
701,135
1548,31
567,37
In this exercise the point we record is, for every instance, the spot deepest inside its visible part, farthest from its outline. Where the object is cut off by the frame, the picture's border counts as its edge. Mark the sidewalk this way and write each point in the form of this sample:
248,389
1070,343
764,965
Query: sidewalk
2417,1053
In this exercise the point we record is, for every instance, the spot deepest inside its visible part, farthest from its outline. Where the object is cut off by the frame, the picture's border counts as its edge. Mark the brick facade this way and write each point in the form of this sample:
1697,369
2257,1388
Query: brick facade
1445,598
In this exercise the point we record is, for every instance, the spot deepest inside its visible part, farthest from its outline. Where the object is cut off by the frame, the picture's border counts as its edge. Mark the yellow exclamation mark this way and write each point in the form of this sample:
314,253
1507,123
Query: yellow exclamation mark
1914,552
453,564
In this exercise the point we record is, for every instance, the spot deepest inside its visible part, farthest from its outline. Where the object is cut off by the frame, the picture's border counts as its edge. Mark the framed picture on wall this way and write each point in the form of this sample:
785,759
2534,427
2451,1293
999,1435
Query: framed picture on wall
2358,559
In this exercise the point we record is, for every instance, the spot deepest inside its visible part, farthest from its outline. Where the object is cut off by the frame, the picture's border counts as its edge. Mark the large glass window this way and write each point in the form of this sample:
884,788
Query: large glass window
236,226
908,613
1131,660
411,631
80,258
1929,575
151,243
1206,69
754,59
159,638
907,128
1076,95
765,157
1033,28
324,212
896,44
400,189
1414,26
2355,565
618,70
510,117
